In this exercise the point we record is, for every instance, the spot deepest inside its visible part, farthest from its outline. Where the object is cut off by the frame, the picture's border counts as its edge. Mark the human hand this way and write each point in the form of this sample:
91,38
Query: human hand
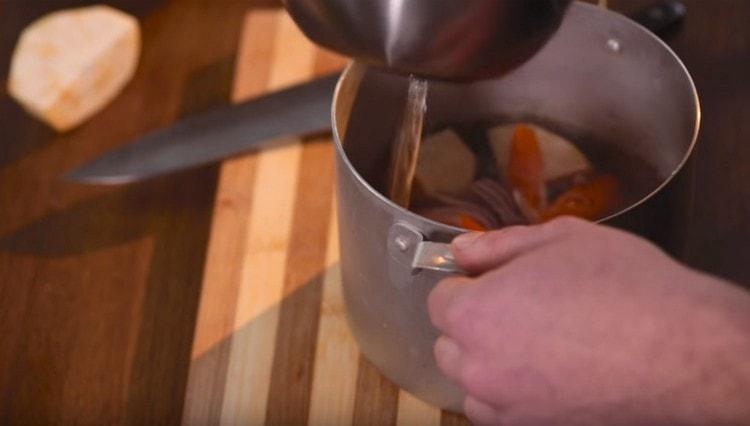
570,322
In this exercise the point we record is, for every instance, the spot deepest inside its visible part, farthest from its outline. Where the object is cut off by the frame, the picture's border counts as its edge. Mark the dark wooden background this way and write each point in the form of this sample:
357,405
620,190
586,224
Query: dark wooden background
99,286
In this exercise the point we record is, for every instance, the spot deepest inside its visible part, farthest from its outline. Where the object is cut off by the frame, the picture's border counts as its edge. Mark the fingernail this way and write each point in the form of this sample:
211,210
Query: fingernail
463,241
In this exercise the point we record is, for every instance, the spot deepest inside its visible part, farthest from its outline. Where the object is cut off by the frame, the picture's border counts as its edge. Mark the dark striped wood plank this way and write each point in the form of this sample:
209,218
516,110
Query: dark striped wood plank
453,419
376,400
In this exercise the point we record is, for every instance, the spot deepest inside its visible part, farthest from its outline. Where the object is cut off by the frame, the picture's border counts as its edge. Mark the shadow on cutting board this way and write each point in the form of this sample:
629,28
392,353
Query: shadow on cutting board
291,382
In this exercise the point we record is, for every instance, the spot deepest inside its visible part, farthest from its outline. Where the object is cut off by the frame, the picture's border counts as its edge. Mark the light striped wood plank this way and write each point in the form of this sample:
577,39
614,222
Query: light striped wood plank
294,352
336,355
254,57
262,282
215,322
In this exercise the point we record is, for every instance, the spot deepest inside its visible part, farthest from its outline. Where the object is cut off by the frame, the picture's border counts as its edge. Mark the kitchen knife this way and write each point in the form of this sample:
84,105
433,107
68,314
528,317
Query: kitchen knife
234,129
220,133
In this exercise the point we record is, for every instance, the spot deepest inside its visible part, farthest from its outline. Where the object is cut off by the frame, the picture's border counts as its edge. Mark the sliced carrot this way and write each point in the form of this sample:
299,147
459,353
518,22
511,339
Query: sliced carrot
526,166
589,200
469,222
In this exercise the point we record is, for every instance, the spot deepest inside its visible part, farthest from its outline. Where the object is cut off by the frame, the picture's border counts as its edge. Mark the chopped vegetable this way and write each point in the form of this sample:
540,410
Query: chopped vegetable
69,64
526,167
468,222
543,179
589,200
445,164
561,156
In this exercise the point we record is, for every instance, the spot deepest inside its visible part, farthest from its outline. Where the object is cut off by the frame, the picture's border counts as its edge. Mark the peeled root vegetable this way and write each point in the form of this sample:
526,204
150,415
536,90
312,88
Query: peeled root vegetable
561,157
69,64
445,165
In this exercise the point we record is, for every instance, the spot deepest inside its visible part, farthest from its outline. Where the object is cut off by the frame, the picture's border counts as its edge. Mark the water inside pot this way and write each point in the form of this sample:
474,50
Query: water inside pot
541,175
497,177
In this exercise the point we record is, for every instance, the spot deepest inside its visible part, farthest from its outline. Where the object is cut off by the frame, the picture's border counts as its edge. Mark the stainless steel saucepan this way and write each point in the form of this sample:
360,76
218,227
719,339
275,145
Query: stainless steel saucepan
602,81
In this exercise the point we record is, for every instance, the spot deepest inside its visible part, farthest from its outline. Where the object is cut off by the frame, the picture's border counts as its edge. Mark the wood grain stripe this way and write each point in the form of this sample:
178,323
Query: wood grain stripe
453,419
336,353
262,284
376,400
254,56
294,353
415,412
222,273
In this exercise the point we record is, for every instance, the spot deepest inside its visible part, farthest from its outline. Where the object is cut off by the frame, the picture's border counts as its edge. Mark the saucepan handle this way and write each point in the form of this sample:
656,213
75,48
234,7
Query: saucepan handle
409,247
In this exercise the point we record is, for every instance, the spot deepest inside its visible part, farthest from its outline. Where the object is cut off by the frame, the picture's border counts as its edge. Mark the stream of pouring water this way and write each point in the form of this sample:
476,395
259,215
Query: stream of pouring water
405,150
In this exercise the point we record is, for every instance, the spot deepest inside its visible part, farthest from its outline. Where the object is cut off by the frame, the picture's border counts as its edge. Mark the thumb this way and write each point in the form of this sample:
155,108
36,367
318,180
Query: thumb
478,252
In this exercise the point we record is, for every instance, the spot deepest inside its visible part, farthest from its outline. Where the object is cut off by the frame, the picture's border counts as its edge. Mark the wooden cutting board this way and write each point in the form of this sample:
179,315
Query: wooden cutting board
271,341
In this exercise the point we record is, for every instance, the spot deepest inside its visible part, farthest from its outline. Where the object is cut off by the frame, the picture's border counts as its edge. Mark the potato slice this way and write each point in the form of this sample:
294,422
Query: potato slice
69,64
445,164
561,157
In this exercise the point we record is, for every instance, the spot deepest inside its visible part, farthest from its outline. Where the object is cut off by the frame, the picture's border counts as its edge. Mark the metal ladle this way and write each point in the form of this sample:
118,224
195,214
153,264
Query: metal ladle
446,39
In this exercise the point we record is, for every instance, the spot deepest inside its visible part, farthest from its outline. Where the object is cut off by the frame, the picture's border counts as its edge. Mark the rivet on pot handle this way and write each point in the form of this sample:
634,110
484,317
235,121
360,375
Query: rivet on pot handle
407,245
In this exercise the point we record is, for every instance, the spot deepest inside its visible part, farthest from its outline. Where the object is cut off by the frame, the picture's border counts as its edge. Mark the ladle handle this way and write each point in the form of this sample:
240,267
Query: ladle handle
661,17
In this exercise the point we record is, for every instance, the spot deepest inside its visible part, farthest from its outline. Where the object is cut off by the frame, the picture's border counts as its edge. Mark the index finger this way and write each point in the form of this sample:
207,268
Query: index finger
477,253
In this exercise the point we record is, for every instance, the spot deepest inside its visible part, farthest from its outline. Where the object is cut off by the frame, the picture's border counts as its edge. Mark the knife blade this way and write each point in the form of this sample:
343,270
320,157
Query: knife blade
217,134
